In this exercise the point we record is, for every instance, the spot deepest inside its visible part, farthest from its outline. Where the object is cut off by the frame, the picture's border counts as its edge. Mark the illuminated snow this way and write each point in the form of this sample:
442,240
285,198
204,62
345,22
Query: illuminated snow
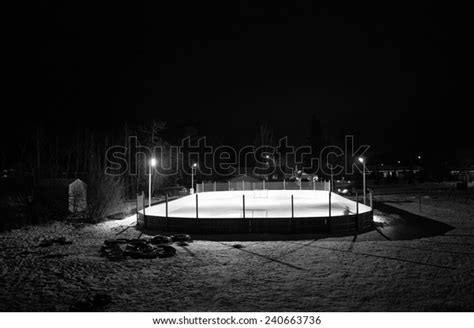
258,203
330,273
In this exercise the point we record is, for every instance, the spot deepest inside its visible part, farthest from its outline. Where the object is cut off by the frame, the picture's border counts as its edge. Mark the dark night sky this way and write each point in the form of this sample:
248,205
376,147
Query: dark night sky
393,74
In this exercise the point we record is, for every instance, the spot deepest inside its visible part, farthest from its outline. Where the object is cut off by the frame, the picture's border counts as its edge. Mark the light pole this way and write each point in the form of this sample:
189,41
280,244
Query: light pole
274,164
361,159
193,167
152,165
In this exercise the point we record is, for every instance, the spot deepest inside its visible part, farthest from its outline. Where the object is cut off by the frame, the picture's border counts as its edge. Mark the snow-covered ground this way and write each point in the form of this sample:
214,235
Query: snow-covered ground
266,203
367,273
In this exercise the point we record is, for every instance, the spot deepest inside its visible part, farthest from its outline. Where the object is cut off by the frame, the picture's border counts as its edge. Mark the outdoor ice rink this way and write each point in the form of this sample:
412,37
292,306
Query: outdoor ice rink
258,203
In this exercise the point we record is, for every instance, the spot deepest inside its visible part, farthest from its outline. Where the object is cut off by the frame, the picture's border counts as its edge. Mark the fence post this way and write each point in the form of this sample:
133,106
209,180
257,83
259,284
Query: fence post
215,186
167,219
145,223
371,198
330,203
263,184
243,185
202,186
228,183
243,206
419,201
357,212
301,182
314,185
143,204
284,184
357,203
136,208
292,208
197,207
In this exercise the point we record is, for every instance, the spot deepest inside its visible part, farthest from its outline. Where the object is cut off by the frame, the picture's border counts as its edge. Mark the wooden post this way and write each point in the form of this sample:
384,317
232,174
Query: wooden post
243,185
197,207
314,185
143,204
167,219
202,186
284,184
419,201
301,182
215,187
292,208
357,212
136,208
228,183
263,184
357,203
243,206
330,203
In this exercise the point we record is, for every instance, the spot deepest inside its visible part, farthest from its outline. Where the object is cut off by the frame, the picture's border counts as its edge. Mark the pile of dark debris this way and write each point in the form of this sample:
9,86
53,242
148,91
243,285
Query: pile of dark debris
147,248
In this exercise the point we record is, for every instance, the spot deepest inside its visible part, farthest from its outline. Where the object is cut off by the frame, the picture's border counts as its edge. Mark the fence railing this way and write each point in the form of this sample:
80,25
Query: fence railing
262,185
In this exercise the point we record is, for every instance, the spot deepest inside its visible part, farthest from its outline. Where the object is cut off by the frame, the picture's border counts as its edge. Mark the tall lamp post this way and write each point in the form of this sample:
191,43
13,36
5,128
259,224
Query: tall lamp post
152,165
274,164
193,167
361,159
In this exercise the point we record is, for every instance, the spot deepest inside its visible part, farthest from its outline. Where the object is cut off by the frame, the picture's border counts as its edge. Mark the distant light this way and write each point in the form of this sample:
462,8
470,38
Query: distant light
153,162
398,162
267,156
195,164
381,164
419,157
361,159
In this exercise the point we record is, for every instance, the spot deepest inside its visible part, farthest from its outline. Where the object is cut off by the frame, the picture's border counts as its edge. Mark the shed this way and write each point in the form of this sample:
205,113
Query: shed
61,196
244,177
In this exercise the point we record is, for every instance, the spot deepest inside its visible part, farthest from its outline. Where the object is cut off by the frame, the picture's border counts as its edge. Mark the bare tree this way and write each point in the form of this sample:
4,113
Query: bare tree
265,136
104,192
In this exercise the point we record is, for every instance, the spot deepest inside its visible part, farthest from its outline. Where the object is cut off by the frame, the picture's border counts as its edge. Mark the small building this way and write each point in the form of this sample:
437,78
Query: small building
61,196
244,177
393,171
463,172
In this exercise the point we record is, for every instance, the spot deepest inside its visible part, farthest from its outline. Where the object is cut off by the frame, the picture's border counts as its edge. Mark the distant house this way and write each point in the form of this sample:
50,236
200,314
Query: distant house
268,173
245,177
393,171
463,172
61,196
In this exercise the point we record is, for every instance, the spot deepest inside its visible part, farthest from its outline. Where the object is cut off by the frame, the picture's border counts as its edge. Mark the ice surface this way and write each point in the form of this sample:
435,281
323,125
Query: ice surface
276,203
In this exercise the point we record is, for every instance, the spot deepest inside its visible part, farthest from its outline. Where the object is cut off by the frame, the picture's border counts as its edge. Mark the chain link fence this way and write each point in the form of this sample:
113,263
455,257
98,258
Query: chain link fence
262,185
